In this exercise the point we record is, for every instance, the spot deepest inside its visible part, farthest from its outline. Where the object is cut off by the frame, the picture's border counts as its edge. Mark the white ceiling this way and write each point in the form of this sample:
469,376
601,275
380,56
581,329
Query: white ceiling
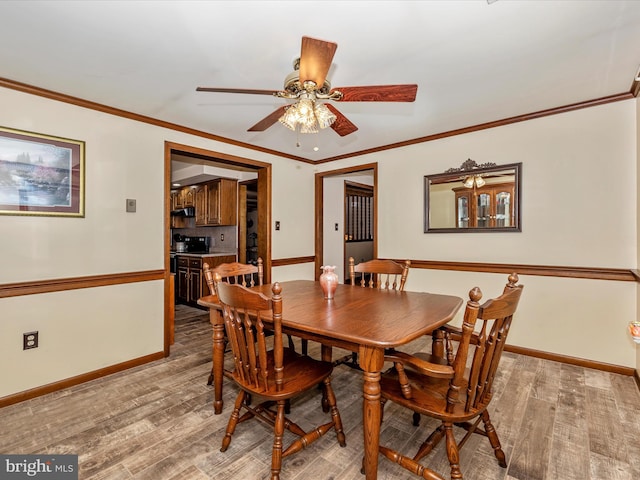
474,61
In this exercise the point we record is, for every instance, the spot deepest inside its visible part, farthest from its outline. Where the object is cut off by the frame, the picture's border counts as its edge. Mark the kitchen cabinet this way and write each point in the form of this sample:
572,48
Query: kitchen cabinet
184,197
174,199
188,197
217,202
484,207
201,204
191,284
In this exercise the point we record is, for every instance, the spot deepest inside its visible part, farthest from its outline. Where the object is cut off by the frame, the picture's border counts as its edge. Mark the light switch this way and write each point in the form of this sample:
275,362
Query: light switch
131,205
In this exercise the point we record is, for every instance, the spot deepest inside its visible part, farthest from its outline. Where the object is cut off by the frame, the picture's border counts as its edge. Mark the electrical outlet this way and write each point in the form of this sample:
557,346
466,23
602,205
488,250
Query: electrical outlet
29,340
222,237
337,227
277,225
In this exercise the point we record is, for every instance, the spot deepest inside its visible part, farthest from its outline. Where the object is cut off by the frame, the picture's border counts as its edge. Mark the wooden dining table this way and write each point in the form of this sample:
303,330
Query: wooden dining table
357,319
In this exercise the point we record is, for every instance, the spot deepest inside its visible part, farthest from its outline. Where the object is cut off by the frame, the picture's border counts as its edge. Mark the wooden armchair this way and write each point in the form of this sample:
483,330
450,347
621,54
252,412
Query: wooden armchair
454,385
275,375
381,274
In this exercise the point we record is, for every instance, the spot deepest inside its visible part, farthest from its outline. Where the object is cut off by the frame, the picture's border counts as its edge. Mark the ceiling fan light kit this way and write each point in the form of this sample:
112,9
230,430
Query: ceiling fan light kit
307,115
474,181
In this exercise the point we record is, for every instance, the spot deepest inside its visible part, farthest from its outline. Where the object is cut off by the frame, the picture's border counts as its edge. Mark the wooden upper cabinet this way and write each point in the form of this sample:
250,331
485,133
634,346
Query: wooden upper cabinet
201,204
189,197
176,199
222,202
185,197
215,202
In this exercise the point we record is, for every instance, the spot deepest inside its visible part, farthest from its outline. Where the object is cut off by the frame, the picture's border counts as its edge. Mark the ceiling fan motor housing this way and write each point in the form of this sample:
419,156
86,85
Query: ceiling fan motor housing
294,87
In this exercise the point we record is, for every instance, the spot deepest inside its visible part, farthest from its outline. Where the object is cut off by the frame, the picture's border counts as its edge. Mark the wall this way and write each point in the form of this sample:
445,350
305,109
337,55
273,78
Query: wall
579,208
88,329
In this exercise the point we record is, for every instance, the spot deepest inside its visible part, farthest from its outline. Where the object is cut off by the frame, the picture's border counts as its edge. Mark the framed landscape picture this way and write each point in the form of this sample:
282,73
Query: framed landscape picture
40,174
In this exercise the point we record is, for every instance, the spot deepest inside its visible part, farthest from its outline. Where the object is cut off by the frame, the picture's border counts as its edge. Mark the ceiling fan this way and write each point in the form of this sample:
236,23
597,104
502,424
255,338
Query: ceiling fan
308,83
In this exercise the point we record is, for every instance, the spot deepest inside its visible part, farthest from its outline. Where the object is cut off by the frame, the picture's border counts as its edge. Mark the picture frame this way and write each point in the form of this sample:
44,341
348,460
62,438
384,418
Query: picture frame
41,174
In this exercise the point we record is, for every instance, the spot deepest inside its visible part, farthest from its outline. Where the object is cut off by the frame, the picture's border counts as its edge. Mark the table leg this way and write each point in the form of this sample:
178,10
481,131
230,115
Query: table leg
326,352
371,361
437,345
215,317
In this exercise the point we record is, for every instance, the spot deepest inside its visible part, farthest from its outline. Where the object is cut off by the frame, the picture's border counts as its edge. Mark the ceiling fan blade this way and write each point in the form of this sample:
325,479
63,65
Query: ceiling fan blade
342,126
315,59
236,90
267,121
379,93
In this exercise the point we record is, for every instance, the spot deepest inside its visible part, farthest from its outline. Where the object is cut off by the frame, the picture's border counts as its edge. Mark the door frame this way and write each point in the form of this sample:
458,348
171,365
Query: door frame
319,208
264,171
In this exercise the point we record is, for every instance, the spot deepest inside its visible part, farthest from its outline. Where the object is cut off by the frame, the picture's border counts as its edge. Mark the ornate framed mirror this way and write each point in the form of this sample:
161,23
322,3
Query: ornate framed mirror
473,198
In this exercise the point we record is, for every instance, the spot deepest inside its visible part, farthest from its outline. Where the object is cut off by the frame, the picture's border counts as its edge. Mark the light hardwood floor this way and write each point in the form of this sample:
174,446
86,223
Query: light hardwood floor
555,421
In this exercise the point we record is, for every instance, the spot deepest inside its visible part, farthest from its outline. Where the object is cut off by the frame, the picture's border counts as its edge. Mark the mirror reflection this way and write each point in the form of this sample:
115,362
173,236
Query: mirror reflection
473,197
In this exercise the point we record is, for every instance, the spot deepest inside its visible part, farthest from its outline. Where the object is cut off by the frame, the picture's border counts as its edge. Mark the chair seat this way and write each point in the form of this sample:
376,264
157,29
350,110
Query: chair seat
300,373
429,395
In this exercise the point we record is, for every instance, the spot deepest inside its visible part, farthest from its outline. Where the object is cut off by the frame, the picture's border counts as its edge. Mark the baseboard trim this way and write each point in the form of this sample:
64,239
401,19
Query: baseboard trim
103,372
77,380
581,362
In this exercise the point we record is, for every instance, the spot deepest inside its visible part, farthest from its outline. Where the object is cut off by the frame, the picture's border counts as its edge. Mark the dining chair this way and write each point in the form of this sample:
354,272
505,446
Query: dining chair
380,274
274,375
234,272
455,384
245,274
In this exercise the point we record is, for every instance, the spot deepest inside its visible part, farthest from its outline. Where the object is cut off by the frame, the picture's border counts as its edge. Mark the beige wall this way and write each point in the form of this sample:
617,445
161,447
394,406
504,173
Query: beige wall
88,329
579,208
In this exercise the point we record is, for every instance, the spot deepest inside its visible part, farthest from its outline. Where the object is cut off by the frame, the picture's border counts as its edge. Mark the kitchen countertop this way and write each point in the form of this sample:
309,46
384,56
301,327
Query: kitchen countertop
200,255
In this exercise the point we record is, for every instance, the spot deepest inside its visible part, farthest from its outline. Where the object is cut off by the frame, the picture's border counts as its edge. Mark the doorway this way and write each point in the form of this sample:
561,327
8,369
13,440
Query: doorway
358,222
330,194
231,164
248,219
